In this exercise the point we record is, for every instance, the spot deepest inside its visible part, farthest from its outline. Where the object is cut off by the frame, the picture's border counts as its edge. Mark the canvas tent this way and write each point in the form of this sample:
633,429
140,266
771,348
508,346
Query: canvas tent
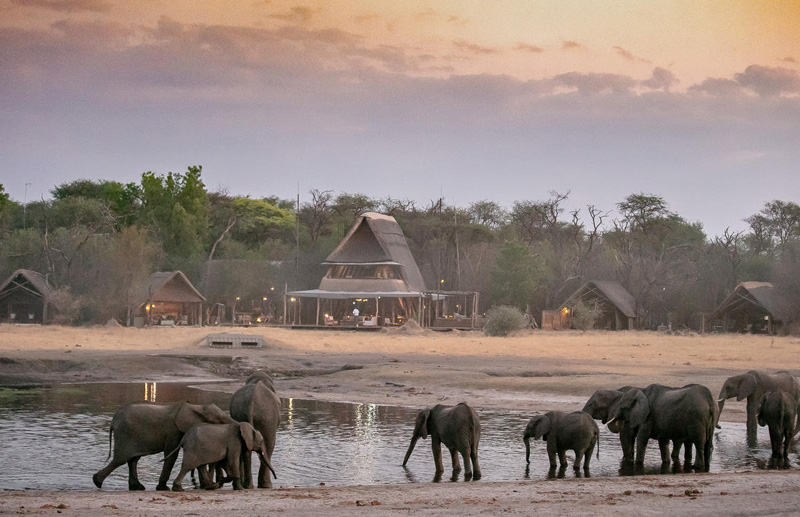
168,296
372,270
25,297
617,304
755,307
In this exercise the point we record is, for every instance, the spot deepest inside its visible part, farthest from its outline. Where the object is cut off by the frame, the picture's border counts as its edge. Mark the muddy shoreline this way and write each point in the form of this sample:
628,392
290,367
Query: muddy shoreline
530,372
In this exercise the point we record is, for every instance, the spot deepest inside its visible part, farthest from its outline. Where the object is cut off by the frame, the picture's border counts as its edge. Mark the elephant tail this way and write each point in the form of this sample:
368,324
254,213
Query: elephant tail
110,432
597,437
175,450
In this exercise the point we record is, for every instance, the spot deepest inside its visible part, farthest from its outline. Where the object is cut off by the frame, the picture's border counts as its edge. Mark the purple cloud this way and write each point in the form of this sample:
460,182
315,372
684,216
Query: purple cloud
662,79
769,82
473,48
593,83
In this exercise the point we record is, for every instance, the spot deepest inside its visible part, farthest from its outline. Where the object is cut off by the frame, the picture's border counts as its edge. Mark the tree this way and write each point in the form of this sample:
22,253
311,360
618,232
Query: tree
175,207
516,273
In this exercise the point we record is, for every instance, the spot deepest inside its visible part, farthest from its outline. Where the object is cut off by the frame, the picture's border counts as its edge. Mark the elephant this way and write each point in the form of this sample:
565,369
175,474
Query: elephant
257,404
145,428
778,410
683,415
459,428
599,406
752,386
575,431
221,446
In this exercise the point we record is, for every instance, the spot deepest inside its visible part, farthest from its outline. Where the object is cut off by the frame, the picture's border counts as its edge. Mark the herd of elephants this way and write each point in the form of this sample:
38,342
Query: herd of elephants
220,445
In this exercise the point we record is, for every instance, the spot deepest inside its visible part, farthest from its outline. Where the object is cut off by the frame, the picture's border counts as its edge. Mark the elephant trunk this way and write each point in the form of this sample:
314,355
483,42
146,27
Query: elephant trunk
410,448
527,440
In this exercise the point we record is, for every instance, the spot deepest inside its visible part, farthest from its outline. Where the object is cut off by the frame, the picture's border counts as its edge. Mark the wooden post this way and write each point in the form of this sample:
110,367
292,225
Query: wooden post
284,310
421,319
317,320
377,316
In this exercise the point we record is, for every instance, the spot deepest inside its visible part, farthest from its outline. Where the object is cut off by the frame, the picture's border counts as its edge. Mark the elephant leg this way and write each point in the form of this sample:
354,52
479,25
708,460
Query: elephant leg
699,459
663,446
551,452
177,484
752,422
588,456
169,462
641,448
246,465
467,463
103,473
708,448
578,458
687,454
454,460
133,474
436,445
264,479
562,457
676,451
476,469
232,466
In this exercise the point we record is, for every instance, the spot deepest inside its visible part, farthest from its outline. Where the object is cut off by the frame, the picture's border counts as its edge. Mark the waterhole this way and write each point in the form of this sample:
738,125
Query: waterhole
55,438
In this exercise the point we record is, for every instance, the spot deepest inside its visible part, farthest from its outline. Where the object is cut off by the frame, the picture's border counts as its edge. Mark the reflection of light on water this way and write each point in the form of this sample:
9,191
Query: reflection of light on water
290,416
150,391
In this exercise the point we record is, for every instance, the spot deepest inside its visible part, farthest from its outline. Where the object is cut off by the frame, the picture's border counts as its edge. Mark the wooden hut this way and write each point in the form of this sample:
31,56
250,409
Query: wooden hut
617,304
25,297
168,298
371,270
757,307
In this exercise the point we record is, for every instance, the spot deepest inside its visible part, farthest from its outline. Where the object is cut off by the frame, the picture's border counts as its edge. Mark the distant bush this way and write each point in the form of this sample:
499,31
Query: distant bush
503,320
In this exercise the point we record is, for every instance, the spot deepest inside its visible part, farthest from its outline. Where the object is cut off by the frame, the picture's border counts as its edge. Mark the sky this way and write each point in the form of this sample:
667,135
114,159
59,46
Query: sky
695,101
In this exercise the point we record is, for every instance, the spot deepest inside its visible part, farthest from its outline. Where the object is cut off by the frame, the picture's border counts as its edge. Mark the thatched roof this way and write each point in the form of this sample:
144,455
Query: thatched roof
30,281
166,286
611,291
377,239
761,295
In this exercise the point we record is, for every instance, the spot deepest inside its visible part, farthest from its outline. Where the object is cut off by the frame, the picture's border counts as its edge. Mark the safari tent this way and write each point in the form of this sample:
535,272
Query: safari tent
26,297
757,307
371,270
617,304
168,298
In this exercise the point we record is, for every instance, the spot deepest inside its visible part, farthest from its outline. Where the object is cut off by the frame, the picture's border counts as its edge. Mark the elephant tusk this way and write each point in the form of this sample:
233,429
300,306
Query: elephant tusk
614,420
719,400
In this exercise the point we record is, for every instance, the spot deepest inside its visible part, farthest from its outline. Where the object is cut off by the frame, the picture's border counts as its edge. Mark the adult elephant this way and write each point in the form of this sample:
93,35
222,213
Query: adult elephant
144,428
458,428
683,415
753,385
257,404
600,405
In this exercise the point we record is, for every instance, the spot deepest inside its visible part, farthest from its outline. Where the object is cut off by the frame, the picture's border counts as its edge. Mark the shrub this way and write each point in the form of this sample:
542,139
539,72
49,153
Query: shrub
585,315
503,320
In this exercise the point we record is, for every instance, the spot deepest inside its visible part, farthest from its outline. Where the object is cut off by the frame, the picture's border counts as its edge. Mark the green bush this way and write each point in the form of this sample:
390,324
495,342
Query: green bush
585,315
503,320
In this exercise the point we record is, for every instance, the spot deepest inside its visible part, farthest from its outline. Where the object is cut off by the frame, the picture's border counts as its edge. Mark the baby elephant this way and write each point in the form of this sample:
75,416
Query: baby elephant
458,428
564,431
220,445
778,410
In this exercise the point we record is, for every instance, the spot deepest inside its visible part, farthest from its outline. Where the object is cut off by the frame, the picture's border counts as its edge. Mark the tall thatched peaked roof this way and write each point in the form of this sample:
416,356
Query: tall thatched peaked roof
378,239
28,280
167,286
762,295
612,291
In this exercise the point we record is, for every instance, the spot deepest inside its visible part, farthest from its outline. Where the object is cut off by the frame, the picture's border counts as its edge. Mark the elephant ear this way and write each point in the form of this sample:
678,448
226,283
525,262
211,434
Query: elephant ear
421,425
541,427
640,409
187,416
747,386
248,434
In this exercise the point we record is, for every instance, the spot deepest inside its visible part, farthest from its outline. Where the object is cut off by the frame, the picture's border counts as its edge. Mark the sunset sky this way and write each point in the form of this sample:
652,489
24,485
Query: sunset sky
696,101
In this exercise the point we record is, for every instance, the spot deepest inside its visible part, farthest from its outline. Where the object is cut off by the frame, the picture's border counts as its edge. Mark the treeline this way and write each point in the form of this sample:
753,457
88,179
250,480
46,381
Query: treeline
96,240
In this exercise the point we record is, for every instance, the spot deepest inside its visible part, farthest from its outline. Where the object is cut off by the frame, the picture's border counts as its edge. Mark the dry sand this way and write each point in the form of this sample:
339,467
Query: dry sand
531,371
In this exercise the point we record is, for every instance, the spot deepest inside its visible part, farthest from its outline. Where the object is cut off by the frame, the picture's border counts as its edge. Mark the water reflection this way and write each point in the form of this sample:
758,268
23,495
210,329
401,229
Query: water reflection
318,442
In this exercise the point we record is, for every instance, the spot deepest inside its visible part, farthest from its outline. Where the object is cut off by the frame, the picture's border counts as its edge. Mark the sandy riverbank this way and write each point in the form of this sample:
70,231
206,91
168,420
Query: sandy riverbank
531,371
